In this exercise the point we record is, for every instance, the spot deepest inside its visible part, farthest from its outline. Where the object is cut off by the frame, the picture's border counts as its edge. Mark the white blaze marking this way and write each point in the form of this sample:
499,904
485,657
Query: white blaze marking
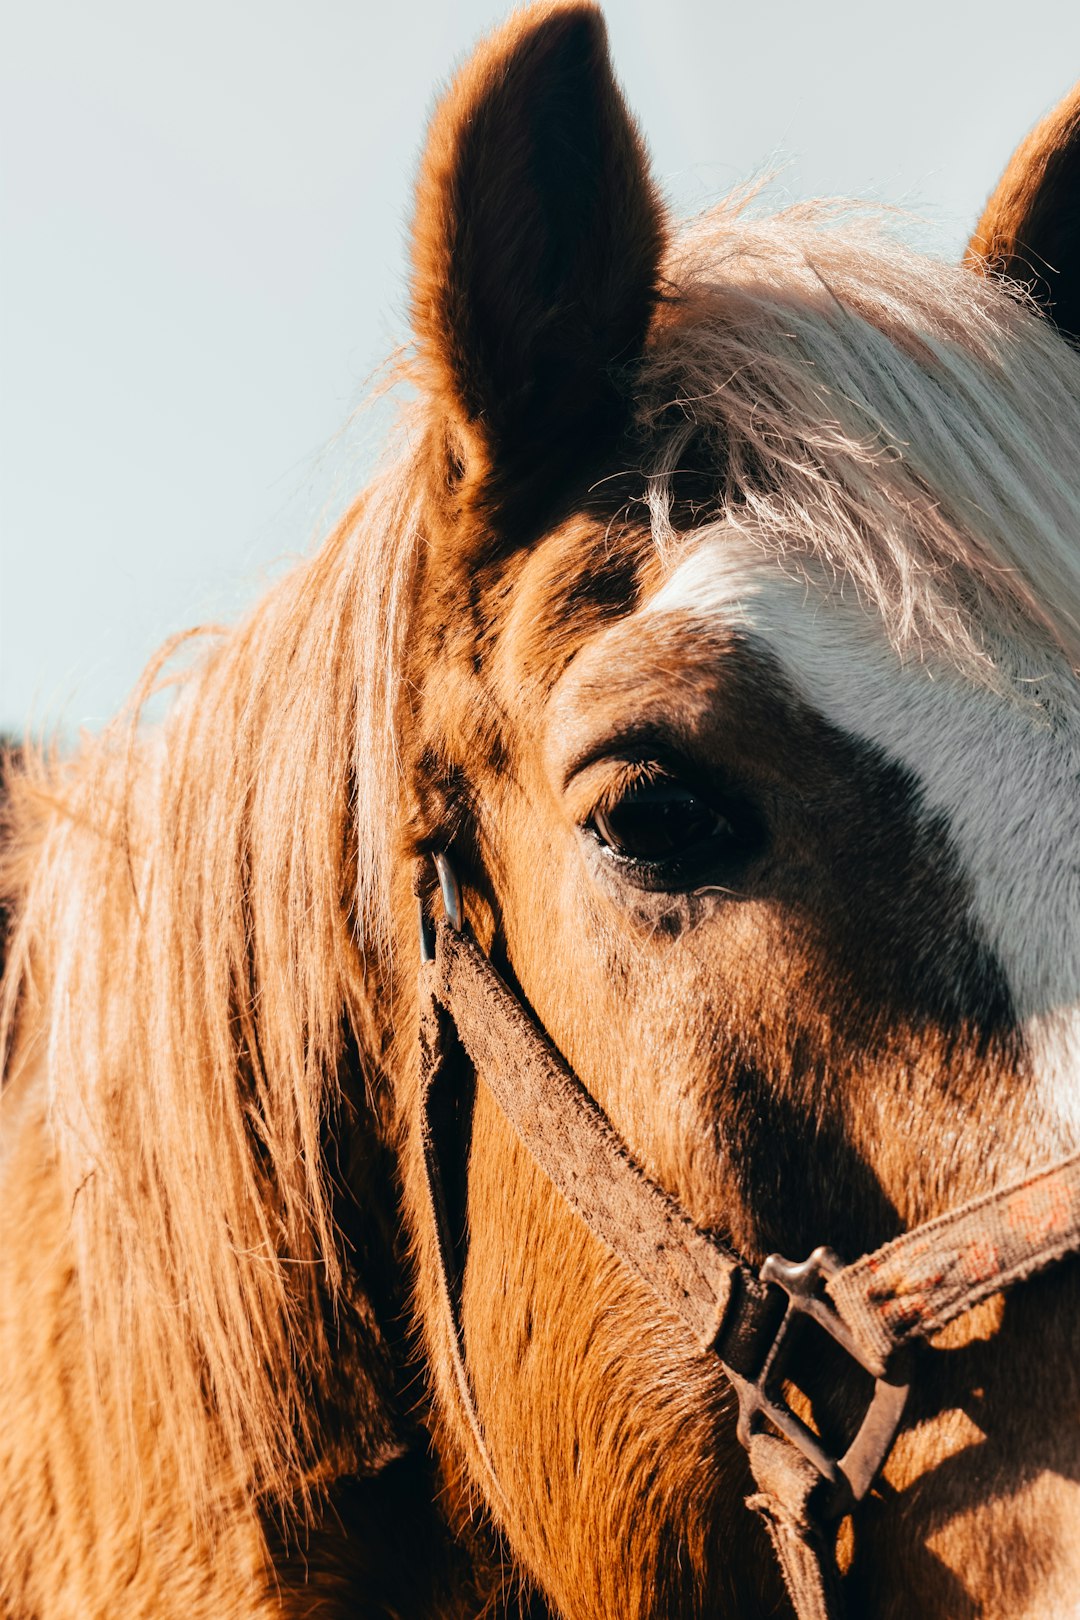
1007,781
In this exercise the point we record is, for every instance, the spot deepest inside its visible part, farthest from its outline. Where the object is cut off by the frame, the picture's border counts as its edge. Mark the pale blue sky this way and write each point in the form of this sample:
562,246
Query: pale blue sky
203,241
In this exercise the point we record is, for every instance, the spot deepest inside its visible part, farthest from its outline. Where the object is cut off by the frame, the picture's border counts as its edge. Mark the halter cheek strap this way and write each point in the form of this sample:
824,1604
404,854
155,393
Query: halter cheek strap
906,1290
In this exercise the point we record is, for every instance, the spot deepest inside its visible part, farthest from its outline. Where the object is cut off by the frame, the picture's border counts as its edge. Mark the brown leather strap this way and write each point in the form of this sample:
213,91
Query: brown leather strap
785,1501
575,1144
927,1277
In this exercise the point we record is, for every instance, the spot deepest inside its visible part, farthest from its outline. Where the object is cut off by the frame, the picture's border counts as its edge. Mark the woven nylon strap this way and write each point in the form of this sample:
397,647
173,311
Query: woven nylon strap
923,1280
907,1289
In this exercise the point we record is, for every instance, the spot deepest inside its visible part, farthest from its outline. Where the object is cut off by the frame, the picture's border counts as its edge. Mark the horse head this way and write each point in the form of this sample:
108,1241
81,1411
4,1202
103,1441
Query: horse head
742,699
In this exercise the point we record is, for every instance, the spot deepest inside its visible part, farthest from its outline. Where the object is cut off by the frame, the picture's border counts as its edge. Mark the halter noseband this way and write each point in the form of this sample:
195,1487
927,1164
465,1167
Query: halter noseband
873,1308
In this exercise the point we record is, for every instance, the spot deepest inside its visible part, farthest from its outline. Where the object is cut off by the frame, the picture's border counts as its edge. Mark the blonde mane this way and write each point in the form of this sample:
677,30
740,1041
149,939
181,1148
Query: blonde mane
201,909
189,905
900,423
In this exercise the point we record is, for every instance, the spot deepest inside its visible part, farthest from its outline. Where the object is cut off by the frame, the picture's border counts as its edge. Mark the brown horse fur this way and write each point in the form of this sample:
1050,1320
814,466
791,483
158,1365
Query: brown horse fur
223,1377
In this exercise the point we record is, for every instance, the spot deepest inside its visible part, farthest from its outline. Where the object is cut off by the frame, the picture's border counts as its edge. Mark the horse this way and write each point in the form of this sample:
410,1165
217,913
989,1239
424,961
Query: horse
699,668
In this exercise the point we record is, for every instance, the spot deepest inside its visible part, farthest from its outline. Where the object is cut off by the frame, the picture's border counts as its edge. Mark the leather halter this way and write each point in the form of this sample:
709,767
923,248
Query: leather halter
873,1308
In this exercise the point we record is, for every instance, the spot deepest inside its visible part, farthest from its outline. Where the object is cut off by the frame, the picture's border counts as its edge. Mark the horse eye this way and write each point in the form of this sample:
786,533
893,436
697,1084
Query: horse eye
658,821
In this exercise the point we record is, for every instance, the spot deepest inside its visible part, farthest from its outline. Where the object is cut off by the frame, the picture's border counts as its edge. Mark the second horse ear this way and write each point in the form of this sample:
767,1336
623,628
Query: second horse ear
536,250
1030,228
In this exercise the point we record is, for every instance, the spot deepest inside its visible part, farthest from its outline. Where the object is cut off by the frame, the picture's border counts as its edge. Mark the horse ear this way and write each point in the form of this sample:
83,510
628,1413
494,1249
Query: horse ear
536,247
1030,228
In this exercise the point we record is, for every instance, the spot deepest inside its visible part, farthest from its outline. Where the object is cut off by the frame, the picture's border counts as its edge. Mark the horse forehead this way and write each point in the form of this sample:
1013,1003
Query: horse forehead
961,741
999,775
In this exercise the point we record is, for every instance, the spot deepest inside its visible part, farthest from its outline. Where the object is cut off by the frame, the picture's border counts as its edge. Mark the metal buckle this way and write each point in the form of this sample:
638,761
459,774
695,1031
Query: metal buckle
762,1398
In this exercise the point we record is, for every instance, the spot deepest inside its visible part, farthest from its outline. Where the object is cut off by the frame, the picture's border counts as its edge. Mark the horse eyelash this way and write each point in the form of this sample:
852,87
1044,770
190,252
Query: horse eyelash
632,774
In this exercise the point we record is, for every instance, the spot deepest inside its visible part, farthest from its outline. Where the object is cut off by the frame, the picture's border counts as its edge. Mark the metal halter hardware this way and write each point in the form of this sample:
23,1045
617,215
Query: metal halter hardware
762,1397
873,1308
450,889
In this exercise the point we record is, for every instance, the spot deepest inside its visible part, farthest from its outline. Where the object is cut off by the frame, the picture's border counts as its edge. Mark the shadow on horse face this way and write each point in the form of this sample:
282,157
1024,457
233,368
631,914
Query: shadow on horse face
719,620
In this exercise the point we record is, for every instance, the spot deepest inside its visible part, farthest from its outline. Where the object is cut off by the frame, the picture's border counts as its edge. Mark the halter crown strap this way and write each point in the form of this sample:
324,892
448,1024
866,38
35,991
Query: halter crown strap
908,1289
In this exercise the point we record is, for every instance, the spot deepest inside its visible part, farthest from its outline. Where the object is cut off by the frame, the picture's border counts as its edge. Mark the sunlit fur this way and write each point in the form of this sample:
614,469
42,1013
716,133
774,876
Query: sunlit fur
210,963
